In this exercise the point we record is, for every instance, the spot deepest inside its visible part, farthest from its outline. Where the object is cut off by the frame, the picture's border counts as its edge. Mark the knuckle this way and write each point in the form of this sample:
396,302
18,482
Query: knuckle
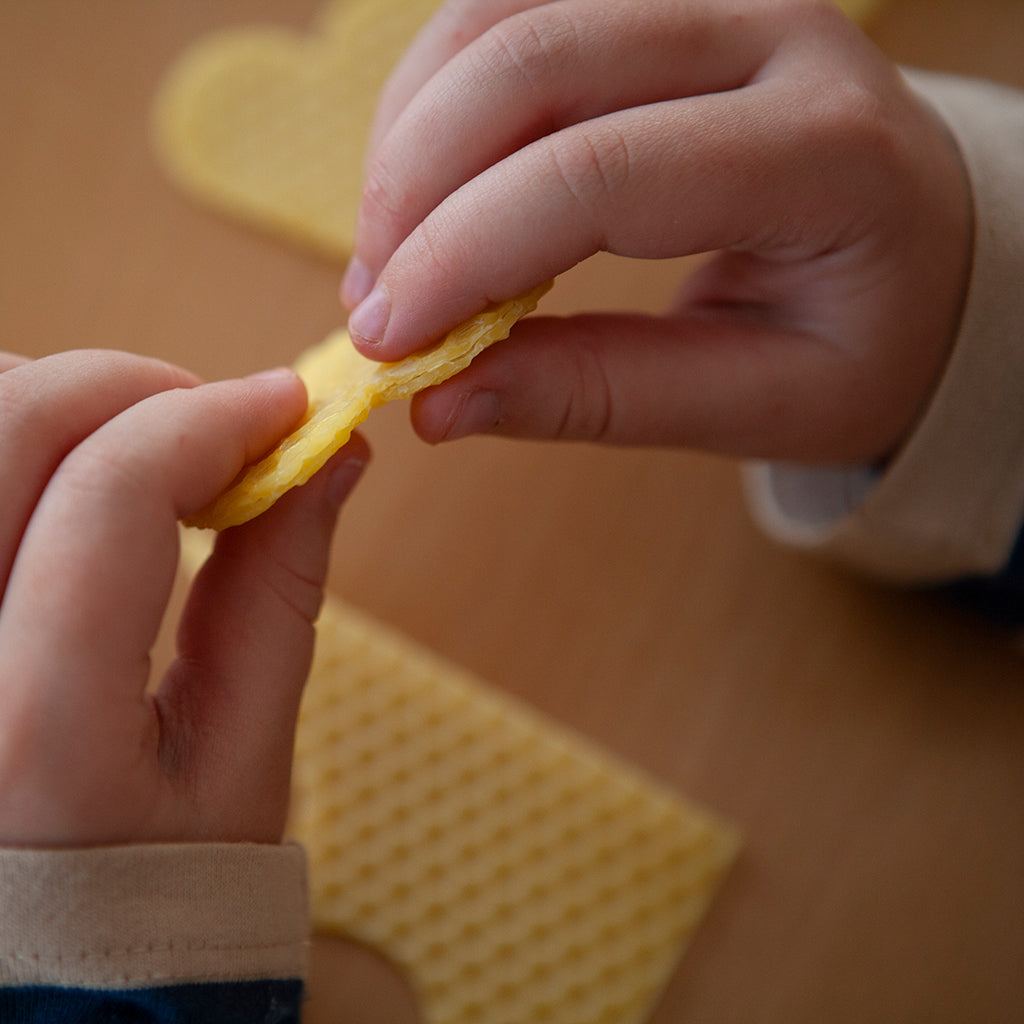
530,46
852,120
437,249
93,476
593,164
588,410
385,197
299,594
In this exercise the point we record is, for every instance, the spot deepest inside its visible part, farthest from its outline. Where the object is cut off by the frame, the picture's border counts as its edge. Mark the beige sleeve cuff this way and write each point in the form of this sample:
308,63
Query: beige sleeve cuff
952,502
136,916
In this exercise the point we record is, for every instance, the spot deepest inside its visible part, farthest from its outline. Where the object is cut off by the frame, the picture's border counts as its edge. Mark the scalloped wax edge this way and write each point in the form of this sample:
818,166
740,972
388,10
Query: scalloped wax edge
514,871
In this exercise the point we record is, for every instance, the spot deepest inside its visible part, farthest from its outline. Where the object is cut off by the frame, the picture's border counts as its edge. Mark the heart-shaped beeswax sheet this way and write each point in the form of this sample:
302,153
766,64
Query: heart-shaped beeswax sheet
271,126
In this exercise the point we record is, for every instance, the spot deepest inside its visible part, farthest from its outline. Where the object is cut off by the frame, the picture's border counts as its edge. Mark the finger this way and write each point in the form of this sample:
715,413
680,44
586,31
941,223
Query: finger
624,183
246,640
99,554
720,383
453,26
542,70
51,404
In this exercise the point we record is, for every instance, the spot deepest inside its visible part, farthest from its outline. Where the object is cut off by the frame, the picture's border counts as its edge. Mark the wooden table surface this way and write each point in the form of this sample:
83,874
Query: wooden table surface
869,743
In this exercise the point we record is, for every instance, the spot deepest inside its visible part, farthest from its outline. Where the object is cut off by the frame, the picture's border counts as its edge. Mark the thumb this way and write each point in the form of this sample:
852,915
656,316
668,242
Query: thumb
245,646
726,383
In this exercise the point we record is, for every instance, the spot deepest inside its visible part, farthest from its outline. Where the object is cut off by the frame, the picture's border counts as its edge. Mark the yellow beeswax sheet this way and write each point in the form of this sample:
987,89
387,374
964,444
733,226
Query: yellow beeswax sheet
515,872
270,126
343,387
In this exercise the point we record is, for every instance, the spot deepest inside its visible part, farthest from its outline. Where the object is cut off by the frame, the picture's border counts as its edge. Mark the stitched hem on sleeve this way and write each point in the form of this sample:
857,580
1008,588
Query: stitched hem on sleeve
139,916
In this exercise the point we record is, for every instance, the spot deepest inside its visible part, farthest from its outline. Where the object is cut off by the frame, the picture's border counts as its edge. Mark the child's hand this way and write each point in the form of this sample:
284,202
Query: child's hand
100,454
520,136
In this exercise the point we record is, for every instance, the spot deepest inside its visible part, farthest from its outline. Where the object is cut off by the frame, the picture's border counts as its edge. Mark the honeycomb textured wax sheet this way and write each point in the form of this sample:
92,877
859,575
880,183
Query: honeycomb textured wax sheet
270,125
515,872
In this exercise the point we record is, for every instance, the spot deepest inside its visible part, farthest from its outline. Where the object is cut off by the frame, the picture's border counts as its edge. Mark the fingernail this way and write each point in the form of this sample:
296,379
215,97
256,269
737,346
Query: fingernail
343,479
356,283
369,319
478,412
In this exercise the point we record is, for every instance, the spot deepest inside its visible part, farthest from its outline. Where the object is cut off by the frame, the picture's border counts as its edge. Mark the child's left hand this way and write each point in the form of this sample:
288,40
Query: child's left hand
101,454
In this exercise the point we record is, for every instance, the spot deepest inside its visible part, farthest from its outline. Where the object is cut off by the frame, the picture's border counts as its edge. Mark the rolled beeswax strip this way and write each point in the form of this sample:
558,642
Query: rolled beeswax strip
515,872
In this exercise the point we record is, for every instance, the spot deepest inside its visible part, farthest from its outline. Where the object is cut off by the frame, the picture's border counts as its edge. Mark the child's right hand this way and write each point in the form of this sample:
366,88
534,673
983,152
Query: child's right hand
518,137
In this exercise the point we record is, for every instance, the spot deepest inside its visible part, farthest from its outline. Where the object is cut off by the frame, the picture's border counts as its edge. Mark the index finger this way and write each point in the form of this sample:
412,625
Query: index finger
623,184
552,67
452,27
561,144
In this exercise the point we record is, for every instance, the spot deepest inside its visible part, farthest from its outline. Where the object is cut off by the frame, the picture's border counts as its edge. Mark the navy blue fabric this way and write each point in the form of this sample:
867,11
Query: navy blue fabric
998,598
255,1002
